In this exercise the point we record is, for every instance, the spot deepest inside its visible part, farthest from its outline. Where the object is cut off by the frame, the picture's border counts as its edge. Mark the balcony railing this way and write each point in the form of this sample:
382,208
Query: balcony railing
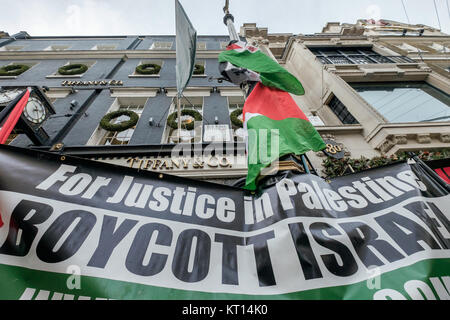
363,59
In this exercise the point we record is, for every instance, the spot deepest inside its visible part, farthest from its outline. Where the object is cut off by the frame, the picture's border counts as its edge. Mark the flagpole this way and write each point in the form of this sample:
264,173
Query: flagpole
179,117
228,20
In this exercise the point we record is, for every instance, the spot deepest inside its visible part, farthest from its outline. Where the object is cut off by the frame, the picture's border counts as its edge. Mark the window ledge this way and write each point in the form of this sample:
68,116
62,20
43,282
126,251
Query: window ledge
58,76
143,76
346,128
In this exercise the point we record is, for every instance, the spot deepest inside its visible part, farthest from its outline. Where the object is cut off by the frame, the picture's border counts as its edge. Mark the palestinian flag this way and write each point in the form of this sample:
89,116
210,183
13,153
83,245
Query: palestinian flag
276,126
270,72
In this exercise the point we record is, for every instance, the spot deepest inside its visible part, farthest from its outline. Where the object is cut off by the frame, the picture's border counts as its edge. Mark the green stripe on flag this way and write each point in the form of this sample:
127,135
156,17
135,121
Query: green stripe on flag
271,73
294,135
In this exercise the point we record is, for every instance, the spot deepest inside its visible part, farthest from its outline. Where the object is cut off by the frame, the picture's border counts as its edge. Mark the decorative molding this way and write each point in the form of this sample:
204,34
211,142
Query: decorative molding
387,144
424,138
444,137
401,139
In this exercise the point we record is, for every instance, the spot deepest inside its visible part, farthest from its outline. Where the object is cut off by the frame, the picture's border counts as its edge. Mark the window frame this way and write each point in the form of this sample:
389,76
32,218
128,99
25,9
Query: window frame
89,64
173,108
397,84
236,105
153,45
51,47
145,61
342,52
30,64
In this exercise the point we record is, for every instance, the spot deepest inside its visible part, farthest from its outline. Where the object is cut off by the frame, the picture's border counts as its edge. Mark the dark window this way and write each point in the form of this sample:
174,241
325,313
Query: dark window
363,55
341,111
406,102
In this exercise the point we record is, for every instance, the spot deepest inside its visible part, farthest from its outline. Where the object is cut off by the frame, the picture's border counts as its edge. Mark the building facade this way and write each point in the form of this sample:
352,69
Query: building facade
372,89
375,88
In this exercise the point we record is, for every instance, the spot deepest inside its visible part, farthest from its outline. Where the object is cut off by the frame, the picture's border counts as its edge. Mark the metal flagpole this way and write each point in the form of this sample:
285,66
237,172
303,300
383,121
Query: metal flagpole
179,117
228,20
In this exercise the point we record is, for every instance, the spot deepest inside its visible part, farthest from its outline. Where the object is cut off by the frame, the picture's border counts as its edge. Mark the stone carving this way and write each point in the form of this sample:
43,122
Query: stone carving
387,144
401,139
423,138
445,137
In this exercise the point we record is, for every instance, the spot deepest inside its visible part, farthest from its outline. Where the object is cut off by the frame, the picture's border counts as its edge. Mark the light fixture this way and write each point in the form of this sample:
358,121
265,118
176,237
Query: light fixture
216,120
150,121
73,104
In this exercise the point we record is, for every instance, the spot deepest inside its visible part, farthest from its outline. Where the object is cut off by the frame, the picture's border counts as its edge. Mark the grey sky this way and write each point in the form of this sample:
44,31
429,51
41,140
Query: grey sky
118,17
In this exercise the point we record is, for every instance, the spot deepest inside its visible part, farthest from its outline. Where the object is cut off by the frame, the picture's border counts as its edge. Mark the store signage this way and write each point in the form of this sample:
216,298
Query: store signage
334,149
181,163
69,83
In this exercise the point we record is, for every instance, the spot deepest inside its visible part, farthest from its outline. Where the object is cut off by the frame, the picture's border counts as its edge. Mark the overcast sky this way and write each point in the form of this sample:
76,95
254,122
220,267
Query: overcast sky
145,17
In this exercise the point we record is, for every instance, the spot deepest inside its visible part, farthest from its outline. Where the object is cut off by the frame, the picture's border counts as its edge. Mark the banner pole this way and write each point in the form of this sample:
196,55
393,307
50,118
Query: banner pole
305,164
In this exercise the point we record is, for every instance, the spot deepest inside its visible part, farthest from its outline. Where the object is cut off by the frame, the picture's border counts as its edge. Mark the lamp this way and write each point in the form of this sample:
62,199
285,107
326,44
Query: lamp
73,104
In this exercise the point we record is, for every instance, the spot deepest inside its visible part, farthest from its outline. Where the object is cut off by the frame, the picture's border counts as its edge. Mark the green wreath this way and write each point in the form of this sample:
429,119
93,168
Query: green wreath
106,124
72,69
148,68
199,69
234,118
13,69
171,120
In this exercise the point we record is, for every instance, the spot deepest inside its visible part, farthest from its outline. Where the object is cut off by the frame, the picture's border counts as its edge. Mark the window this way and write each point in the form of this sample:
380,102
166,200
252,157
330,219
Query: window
201,45
158,45
235,103
186,136
88,63
340,110
198,72
223,45
409,48
11,48
123,137
406,102
366,55
26,63
439,47
104,47
140,75
57,48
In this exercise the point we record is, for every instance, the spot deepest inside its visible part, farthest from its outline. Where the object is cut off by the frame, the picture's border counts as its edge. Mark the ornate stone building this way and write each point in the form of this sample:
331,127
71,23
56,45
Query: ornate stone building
377,88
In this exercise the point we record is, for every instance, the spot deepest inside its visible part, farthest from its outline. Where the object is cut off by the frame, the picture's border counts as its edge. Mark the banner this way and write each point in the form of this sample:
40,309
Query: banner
186,47
80,229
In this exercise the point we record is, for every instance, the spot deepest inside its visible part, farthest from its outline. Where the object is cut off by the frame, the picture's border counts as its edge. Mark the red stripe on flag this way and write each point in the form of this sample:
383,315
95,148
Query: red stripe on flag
233,46
443,176
14,116
272,103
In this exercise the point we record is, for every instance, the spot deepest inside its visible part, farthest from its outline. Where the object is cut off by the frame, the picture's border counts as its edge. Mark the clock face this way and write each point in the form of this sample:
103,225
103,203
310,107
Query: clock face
8,96
35,111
